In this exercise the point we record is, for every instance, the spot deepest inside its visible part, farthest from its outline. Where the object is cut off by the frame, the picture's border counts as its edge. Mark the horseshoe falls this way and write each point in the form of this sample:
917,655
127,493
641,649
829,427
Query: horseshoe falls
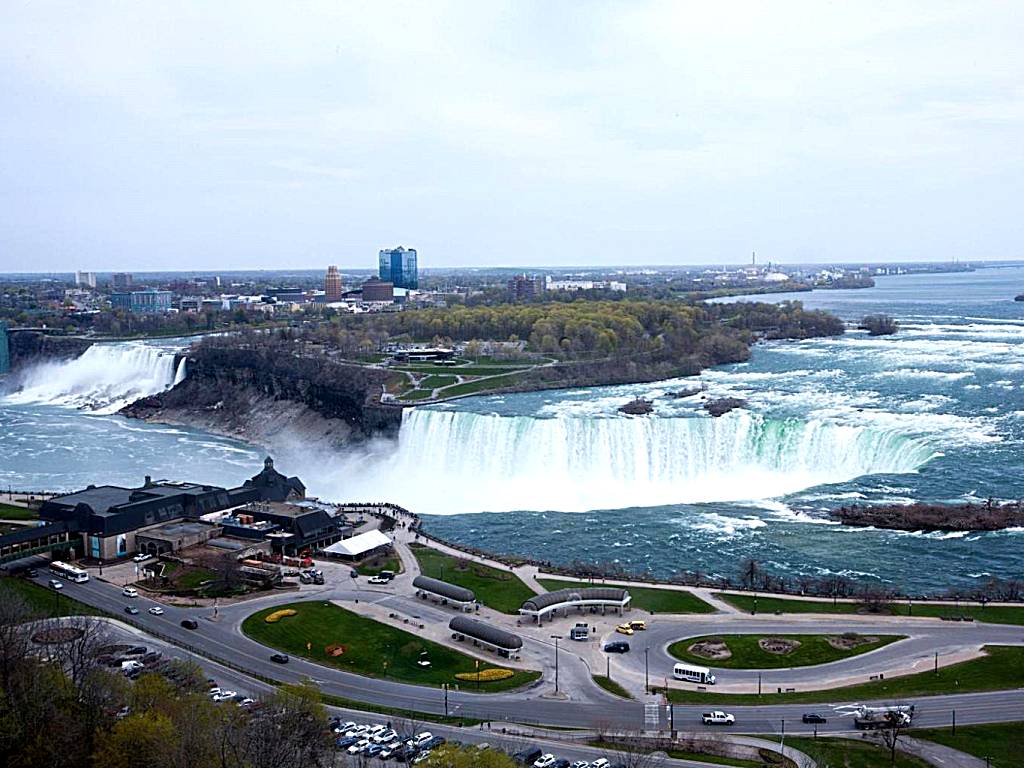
571,464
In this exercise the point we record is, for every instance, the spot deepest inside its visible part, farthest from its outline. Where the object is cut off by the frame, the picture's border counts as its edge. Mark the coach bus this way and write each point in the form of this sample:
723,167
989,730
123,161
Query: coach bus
68,571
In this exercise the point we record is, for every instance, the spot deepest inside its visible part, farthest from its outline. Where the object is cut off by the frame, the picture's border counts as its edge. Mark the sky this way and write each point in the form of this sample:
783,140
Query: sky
198,135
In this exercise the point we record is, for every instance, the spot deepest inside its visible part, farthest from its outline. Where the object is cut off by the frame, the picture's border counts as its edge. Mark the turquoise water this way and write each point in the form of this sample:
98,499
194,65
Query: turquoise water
934,413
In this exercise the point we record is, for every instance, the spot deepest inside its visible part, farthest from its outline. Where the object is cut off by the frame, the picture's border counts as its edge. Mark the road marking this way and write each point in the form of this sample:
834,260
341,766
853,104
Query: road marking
652,716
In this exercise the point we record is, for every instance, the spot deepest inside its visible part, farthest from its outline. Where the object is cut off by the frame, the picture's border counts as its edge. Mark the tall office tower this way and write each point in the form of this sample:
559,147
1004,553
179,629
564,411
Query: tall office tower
398,266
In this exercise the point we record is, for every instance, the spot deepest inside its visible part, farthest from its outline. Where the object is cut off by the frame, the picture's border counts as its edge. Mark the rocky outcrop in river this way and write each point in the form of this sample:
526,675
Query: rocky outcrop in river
989,516
259,393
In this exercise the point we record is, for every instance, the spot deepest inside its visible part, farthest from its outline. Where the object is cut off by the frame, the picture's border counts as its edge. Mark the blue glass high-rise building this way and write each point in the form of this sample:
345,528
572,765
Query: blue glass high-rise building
398,266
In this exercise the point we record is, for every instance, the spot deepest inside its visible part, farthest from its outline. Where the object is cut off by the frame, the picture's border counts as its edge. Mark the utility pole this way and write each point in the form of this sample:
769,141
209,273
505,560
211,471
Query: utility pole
556,638
936,662
647,683
758,683
954,722
608,667
445,685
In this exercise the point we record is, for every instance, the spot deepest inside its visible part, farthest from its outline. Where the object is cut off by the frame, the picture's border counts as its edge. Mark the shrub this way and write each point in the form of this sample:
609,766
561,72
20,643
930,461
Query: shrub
486,675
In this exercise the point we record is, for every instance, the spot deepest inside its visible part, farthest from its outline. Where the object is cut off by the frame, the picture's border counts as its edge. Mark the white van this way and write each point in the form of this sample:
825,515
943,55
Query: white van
693,674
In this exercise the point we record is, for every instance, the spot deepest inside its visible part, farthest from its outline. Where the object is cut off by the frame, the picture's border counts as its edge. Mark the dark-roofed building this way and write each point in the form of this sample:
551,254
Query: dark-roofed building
576,597
291,528
503,642
273,486
444,593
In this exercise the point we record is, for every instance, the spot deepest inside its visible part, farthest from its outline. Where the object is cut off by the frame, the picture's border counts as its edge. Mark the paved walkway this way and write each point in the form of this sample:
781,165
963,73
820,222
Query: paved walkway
938,754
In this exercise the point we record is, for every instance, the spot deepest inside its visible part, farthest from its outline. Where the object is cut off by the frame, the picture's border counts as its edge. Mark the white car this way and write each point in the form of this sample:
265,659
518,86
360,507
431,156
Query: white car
139,558
156,610
717,718
130,592
385,736
343,727
601,762
359,746
544,761
357,730
378,580
422,738
246,702
224,695
422,756
56,584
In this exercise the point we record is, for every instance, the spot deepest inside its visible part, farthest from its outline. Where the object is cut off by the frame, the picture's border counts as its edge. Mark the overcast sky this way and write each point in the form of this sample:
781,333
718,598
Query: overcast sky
143,135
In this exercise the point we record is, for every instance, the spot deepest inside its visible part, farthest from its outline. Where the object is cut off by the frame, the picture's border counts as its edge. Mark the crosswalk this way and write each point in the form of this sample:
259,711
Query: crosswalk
652,716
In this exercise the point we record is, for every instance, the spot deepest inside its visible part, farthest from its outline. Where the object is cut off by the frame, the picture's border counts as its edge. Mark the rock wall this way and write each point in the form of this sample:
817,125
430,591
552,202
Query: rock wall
27,347
258,394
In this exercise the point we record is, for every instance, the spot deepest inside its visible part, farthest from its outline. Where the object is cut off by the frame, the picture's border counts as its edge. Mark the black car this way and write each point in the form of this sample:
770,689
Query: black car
190,624
527,756
280,658
31,573
618,646
435,742
561,763
814,718
131,610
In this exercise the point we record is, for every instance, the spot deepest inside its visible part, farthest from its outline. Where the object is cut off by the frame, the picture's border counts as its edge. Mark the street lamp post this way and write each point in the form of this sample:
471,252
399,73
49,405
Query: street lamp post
647,683
556,638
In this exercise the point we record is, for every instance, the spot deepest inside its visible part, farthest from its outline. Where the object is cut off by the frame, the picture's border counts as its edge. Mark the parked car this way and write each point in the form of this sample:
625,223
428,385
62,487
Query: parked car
373,750
131,610
617,646
139,558
385,737
421,757
340,727
344,742
421,739
815,718
717,718
625,629
544,761
190,624
580,764
55,584
435,742
527,756
359,746
378,580
560,763
280,658
156,610
601,762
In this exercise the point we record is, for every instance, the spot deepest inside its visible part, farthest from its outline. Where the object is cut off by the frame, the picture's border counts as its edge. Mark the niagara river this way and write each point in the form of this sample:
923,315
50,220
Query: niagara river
934,413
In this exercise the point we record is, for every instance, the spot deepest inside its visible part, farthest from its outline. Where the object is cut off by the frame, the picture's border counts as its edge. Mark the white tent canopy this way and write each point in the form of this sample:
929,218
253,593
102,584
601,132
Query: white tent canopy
359,545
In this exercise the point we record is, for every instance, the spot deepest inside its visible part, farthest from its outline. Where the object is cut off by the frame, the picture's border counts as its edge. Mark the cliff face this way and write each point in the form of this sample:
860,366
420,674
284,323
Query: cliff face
258,394
33,346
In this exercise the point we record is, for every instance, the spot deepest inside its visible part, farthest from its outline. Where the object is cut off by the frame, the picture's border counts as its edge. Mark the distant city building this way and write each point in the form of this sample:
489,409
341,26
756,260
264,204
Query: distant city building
87,279
584,285
522,287
398,266
142,301
5,349
378,290
332,284
122,281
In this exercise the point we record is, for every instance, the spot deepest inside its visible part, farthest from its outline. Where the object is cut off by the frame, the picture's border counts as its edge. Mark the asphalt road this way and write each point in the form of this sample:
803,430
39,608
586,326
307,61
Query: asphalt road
218,638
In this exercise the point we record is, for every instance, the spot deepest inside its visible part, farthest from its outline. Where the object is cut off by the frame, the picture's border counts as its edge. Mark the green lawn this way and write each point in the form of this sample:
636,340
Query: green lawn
1000,742
378,564
370,648
434,381
611,750
194,578
479,385
465,370
647,598
48,602
1001,669
611,686
848,753
501,590
13,512
416,394
747,653
992,614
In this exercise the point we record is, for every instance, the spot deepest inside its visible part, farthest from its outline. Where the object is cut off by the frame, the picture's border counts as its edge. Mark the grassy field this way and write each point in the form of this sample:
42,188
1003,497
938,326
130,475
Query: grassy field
479,385
611,750
847,753
416,394
434,381
378,564
1001,669
1000,742
647,598
992,614
193,578
370,648
611,686
13,512
48,602
747,653
464,370
501,590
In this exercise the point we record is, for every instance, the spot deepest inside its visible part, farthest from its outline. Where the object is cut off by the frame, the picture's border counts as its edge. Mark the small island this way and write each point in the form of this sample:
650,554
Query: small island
723,405
987,516
638,407
879,325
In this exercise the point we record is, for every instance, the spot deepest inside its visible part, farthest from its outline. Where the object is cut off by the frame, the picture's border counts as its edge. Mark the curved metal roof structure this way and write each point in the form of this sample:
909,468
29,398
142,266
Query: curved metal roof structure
444,589
574,595
488,633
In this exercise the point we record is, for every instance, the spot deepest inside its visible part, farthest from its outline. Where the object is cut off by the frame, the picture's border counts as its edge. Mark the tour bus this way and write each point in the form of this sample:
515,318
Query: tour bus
693,674
68,571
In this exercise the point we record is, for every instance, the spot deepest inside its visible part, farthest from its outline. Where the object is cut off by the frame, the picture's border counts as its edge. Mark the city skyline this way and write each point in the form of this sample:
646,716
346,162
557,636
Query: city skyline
194,136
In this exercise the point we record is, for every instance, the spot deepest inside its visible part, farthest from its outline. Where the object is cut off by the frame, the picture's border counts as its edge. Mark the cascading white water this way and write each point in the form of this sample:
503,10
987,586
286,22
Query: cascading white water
449,462
104,379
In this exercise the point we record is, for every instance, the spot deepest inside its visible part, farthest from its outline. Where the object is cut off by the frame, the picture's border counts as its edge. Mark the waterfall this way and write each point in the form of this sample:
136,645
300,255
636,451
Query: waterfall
448,462
104,379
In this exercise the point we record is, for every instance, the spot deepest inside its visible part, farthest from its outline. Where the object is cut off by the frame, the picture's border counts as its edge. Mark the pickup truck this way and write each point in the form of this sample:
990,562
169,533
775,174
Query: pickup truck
717,718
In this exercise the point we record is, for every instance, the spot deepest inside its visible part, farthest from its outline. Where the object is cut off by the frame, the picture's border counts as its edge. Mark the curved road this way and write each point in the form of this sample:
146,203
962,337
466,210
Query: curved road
219,638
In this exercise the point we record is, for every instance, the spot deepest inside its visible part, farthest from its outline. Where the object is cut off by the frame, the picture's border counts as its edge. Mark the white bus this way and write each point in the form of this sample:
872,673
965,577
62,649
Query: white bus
693,674
68,571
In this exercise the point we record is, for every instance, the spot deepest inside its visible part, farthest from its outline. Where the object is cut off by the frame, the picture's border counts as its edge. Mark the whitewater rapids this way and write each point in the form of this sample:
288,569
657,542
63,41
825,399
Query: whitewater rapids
452,462
103,379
